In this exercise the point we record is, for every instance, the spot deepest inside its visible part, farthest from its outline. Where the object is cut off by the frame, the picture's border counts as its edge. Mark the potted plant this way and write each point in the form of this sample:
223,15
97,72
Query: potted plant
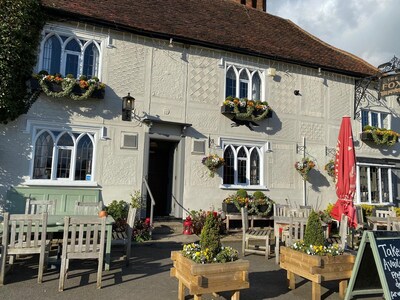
233,203
77,89
244,109
213,162
316,261
380,136
119,211
209,267
260,204
330,169
198,218
304,166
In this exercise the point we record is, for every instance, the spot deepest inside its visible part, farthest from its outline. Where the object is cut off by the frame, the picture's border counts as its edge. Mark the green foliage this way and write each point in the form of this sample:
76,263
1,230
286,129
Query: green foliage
20,24
118,210
241,193
258,195
367,209
136,199
210,238
314,234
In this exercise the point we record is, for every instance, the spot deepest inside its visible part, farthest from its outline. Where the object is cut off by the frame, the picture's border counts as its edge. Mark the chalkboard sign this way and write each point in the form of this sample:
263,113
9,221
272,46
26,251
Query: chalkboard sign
377,266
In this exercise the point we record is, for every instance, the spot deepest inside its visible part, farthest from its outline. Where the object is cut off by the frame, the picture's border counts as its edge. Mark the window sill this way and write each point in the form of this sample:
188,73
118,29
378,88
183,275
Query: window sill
41,182
246,187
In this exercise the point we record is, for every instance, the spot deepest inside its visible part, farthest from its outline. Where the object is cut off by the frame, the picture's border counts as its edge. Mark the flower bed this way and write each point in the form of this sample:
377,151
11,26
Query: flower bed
245,109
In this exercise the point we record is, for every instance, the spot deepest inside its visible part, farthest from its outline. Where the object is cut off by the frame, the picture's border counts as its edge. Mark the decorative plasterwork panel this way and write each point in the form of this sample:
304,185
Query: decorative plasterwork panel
129,59
312,100
119,170
280,167
206,121
168,75
340,100
203,80
312,131
199,174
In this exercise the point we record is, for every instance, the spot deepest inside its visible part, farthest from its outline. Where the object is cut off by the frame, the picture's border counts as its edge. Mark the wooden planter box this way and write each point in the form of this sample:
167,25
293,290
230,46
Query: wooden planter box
317,269
209,278
230,208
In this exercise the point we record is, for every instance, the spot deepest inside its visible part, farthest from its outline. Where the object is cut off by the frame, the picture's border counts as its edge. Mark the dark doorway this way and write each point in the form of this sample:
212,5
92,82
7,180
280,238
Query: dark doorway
160,176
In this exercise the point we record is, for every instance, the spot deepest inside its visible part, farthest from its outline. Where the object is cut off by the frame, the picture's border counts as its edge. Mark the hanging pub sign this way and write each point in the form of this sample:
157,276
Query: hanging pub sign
390,85
377,266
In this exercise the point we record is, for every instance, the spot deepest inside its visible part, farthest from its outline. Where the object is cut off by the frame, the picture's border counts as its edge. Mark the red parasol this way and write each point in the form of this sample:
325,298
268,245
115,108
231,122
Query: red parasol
345,173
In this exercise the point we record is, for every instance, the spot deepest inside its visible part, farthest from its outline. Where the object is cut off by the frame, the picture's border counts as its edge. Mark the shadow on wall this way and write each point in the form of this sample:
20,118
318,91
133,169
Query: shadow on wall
15,145
317,180
13,141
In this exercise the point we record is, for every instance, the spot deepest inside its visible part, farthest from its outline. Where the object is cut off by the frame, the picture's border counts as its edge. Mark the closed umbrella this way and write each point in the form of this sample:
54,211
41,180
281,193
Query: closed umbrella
345,173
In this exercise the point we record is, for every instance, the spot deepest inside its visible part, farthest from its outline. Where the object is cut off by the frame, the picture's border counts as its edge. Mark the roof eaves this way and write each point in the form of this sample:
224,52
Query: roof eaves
182,39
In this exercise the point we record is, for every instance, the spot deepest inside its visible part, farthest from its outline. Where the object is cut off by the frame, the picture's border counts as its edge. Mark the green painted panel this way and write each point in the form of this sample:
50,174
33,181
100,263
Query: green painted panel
65,197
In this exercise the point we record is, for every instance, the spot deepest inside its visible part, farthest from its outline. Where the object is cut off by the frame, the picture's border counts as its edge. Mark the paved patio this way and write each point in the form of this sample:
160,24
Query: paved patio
147,277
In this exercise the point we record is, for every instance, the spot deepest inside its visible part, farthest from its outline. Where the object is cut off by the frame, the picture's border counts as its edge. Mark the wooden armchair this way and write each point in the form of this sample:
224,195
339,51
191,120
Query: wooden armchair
86,241
262,235
24,234
295,232
125,237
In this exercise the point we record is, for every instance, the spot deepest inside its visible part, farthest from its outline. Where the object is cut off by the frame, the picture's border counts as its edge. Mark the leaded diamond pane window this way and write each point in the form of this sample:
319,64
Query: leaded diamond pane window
63,155
243,165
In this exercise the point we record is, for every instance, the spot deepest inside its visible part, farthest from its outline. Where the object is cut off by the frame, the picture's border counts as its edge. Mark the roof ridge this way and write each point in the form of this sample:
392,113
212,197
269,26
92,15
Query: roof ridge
332,47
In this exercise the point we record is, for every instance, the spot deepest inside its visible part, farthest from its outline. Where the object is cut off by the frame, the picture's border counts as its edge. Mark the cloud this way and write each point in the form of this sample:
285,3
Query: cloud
368,28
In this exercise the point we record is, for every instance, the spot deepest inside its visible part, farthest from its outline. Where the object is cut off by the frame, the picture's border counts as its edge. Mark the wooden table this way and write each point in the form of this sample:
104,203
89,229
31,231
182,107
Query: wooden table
374,222
238,216
55,223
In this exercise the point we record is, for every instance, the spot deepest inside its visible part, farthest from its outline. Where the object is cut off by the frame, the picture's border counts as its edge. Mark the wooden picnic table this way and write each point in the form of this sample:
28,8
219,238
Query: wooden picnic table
55,223
374,222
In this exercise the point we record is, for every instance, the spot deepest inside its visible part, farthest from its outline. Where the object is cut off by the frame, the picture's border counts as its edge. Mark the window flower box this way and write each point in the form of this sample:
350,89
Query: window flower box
244,109
380,136
68,87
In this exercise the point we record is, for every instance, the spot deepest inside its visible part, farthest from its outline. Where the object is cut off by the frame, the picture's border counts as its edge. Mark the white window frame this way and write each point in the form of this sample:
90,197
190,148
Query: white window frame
57,30
390,186
380,120
36,128
250,71
260,147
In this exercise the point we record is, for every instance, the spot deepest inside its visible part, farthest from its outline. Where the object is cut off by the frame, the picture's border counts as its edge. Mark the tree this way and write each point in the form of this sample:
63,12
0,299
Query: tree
314,234
21,22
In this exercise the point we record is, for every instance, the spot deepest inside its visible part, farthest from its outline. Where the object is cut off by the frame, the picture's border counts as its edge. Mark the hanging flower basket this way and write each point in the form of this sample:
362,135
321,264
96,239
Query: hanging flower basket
213,162
68,87
330,169
380,136
245,109
304,167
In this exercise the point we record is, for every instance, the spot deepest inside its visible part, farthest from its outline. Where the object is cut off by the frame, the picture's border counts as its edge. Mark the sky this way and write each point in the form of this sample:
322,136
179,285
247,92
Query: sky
366,28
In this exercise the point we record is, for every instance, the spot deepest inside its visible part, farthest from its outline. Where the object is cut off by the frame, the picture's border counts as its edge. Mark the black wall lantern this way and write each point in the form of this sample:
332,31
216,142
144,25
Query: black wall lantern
128,105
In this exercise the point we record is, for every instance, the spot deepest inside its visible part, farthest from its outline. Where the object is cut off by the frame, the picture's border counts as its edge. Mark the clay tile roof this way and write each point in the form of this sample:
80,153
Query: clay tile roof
222,24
